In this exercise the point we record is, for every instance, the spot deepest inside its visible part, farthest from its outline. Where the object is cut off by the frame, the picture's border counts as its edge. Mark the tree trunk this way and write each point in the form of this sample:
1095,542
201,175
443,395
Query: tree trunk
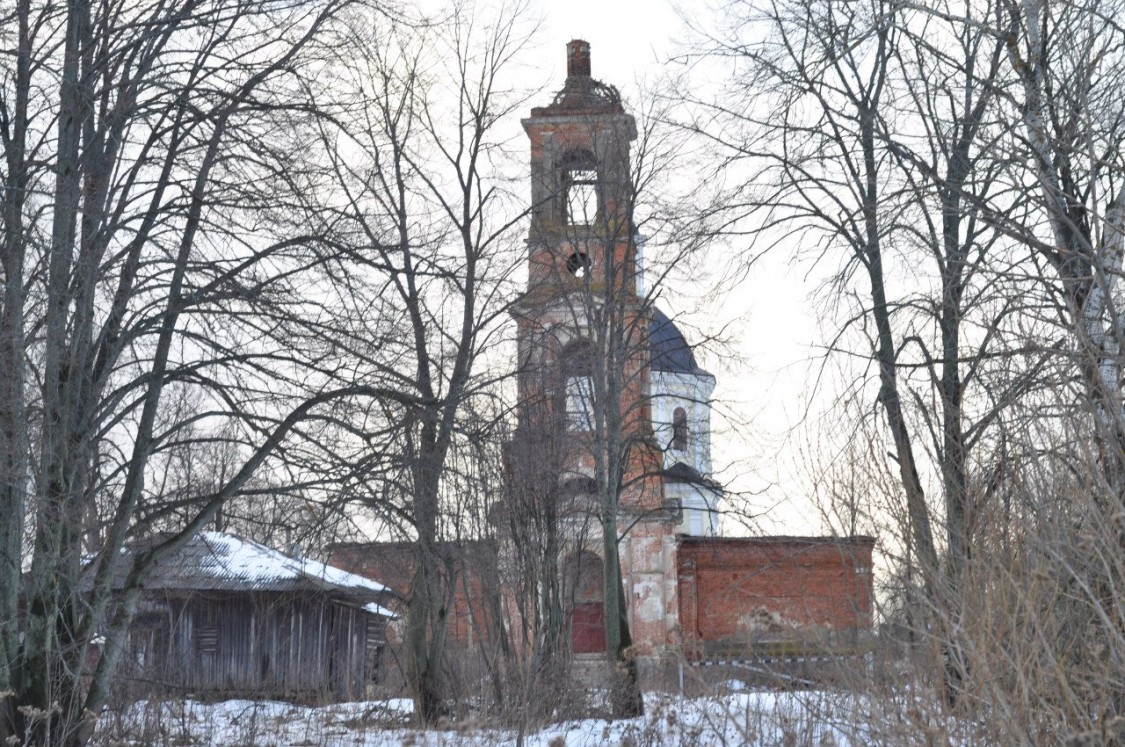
625,695
14,442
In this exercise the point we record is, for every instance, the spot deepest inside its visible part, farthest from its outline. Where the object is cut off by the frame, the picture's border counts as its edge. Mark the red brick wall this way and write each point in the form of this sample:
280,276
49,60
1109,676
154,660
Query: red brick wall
472,608
774,594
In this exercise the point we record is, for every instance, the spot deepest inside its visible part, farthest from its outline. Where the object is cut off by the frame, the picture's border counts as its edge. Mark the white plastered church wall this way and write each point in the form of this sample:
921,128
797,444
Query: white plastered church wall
692,392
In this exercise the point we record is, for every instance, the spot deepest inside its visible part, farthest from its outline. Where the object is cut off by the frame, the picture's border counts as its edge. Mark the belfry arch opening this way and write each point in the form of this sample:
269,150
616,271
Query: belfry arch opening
581,204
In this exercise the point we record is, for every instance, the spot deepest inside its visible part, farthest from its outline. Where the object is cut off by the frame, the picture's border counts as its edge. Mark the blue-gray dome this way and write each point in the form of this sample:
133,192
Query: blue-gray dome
670,351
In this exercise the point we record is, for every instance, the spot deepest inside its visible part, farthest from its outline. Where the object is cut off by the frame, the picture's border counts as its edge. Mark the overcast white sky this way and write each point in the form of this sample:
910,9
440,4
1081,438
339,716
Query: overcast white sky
628,38
772,322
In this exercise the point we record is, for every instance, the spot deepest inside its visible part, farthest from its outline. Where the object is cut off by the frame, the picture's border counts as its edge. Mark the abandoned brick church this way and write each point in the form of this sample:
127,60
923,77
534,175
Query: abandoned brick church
690,593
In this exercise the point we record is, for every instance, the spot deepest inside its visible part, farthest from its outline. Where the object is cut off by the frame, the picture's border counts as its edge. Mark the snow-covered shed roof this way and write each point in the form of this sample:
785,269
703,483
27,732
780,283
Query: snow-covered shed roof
216,561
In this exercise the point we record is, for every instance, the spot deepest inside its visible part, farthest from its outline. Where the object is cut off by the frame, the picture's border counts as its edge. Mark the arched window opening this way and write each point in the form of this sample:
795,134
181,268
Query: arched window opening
575,486
679,430
578,496
581,204
577,369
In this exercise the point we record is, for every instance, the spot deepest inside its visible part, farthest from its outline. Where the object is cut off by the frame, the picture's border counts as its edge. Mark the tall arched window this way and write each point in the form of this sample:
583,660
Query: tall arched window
679,430
577,370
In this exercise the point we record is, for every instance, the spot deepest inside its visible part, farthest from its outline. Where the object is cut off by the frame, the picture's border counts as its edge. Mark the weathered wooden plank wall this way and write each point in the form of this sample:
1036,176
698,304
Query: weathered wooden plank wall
261,644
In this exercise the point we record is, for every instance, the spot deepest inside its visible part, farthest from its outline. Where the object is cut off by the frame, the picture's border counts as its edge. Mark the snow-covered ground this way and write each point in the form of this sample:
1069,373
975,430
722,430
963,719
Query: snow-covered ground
819,719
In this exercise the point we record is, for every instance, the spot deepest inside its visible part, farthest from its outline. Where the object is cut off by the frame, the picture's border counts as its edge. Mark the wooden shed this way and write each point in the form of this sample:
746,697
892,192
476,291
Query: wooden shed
227,617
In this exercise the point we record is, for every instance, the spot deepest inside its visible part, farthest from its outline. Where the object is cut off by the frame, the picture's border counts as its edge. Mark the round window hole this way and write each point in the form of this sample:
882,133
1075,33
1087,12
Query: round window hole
578,264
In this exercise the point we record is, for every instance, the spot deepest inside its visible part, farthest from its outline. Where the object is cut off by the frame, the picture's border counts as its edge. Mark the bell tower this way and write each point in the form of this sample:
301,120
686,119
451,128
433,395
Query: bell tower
584,350
580,186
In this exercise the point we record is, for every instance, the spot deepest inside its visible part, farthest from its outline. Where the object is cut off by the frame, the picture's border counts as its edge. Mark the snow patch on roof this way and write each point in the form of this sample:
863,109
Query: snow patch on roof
235,558
375,609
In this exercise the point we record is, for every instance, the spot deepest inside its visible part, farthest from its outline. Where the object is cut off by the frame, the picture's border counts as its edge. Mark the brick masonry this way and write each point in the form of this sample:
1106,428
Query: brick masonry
774,595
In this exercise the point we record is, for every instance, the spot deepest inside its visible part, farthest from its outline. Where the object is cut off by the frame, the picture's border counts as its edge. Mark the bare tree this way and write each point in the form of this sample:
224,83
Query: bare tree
414,193
1067,60
148,153
875,130
963,160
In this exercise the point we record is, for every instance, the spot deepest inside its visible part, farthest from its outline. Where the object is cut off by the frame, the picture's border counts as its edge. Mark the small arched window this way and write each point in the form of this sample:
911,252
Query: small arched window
679,430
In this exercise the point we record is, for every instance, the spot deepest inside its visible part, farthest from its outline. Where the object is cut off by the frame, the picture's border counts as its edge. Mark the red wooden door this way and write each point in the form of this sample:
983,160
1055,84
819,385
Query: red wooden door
587,628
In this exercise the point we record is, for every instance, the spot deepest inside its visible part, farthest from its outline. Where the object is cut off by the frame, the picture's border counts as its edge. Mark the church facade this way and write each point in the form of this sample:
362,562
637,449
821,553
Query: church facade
633,415
614,422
